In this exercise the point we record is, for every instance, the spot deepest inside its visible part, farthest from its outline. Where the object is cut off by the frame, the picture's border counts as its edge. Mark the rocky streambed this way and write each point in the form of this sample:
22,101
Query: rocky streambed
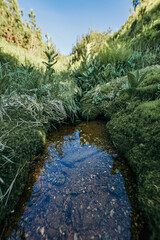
80,189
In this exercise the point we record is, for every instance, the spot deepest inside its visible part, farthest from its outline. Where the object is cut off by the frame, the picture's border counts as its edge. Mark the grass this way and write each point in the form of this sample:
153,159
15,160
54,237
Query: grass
22,55
31,100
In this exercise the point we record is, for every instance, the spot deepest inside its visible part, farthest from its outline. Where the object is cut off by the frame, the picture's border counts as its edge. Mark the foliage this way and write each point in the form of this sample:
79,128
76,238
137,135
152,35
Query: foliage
51,57
135,3
86,74
32,17
29,105
117,55
14,30
133,82
95,39
139,31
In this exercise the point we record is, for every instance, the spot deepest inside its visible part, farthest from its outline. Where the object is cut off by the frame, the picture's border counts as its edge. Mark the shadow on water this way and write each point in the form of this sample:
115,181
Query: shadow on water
80,189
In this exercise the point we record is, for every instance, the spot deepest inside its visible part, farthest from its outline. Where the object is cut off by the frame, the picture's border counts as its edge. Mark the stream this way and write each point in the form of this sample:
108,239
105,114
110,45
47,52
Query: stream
80,189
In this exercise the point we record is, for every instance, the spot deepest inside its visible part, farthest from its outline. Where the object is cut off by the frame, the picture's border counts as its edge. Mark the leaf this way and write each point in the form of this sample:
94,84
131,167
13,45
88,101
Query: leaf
12,73
142,77
47,54
81,78
132,80
11,94
128,85
1,180
6,158
137,75
85,74
1,194
91,69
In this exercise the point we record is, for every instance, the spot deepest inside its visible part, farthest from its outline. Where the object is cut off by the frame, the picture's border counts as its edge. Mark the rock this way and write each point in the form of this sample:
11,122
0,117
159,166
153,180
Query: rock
42,230
75,236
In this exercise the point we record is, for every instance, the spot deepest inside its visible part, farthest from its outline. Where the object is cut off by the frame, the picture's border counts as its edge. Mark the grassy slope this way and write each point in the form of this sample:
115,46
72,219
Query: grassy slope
143,31
22,55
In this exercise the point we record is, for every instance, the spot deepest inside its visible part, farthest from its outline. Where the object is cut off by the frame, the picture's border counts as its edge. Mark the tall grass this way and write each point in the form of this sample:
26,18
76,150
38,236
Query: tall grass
30,98
114,60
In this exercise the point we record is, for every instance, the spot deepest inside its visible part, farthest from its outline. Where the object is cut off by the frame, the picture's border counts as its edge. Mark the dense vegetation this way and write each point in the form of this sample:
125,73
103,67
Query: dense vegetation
14,30
111,75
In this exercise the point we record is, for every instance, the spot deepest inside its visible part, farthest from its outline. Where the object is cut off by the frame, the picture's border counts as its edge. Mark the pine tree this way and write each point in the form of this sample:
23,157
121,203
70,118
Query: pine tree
135,3
13,5
32,20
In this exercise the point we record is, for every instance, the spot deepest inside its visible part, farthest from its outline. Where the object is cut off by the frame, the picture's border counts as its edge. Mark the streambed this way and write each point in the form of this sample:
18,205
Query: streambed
80,189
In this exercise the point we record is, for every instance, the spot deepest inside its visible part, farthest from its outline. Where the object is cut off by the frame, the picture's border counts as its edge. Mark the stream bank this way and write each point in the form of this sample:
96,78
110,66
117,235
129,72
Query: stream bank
133,126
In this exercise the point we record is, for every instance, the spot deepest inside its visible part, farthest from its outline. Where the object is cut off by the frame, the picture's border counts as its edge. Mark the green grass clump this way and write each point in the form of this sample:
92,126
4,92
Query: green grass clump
108,98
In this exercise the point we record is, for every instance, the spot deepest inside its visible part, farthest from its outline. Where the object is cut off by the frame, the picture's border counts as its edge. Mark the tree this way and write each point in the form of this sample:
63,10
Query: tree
135,3
109,30
51,56
11,25
32,20
13,5
21,12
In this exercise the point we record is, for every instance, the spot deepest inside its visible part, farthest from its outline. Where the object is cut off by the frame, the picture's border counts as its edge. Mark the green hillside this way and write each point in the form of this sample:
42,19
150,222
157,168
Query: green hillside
142,29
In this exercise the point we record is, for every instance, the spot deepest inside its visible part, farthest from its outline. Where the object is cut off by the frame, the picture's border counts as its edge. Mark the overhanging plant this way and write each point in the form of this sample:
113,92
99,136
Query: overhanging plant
133,82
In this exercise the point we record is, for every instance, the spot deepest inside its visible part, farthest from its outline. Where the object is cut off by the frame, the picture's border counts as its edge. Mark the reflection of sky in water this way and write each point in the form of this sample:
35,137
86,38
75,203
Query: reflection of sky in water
78,194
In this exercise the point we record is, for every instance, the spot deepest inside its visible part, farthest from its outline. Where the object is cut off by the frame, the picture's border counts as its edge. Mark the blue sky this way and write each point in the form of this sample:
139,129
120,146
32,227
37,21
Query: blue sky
65,20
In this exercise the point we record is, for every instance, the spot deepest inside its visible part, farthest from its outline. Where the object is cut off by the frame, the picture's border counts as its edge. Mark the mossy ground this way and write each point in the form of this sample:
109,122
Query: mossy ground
137,136
133,124
23,142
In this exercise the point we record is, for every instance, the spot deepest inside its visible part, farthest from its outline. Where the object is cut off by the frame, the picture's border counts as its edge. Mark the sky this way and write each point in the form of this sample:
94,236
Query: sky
66,20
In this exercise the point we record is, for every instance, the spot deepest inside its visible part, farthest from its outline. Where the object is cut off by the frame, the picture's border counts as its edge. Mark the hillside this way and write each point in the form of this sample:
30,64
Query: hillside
142,30
12,28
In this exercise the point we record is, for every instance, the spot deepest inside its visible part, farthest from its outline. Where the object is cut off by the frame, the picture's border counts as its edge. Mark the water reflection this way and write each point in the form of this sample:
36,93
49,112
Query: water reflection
77,191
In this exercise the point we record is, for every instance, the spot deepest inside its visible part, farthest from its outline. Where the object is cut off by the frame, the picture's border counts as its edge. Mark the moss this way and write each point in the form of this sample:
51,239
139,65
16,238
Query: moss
18,114
136,133
23,142
89,111
153,76
147,93
93,103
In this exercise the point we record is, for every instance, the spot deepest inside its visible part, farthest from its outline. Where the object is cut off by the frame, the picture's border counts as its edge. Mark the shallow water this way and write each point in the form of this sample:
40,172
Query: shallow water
79,190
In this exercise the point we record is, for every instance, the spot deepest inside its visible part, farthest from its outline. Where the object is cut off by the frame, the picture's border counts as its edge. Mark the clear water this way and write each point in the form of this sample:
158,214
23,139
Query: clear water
79,190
